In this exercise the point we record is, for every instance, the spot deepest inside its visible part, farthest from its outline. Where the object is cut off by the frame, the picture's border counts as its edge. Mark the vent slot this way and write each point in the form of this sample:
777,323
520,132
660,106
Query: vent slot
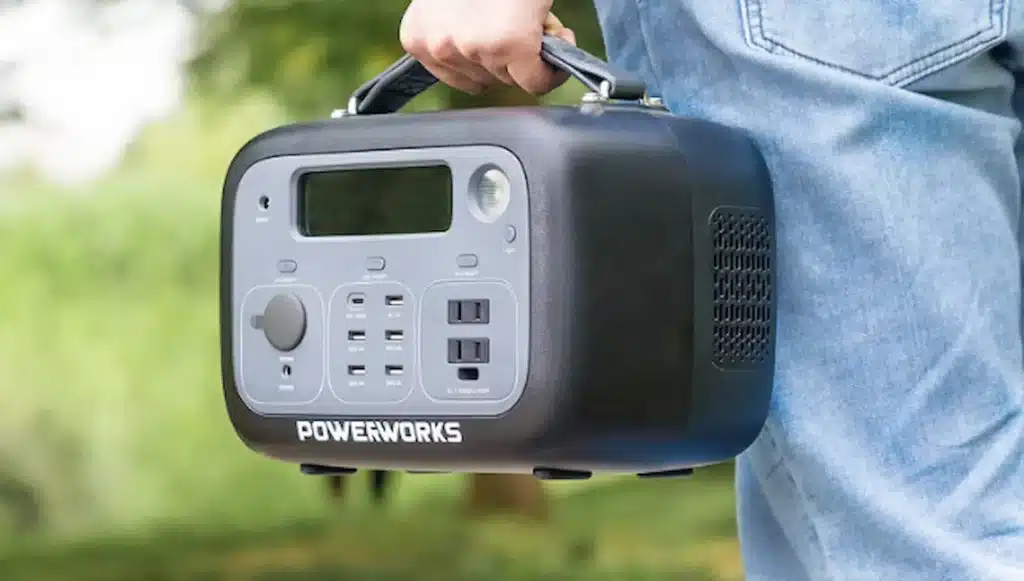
742,268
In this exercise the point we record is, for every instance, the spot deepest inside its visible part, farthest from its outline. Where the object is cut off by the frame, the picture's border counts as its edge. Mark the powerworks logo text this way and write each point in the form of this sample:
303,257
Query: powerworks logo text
386,432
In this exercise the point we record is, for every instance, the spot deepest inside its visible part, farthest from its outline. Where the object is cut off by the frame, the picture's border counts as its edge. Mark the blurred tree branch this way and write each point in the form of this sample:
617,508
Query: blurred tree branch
310,55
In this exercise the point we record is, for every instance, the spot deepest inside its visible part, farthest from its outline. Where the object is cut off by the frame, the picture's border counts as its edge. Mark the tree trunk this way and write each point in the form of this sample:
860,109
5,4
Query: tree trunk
520,495
491,494
380,481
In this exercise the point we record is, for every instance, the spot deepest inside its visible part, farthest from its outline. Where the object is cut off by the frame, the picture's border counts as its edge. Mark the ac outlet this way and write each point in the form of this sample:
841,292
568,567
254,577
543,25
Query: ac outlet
469,311
474,351
469,350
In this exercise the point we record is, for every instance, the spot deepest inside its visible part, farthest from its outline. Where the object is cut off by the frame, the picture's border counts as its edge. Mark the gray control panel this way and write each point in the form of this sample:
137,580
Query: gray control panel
383,324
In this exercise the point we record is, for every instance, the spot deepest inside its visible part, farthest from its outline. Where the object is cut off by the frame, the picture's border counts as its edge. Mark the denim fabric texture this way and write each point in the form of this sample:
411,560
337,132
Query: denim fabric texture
895,446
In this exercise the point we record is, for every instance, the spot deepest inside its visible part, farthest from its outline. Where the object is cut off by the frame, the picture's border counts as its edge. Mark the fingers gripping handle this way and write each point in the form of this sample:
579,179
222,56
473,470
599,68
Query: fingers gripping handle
594,73
406,78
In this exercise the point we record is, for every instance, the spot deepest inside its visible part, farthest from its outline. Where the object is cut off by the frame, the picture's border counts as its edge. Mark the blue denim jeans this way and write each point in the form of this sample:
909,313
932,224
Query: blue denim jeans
894,450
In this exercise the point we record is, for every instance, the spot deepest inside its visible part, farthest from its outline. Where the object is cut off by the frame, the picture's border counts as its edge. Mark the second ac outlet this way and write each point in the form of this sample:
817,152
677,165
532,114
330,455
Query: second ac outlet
469,350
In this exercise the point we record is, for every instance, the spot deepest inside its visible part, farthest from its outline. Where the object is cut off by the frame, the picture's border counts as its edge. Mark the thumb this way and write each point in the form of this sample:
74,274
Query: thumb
553,26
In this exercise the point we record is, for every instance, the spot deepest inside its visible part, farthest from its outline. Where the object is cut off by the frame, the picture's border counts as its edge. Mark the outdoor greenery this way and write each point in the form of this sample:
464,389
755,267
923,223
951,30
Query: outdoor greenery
117,462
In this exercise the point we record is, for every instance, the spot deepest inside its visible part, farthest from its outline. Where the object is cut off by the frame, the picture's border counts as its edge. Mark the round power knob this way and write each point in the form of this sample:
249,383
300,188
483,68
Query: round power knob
284,322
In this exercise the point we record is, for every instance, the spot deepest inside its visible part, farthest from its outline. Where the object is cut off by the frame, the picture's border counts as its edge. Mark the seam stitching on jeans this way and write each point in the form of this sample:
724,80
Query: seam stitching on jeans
751,11
904,74
778,464
642,21
812,527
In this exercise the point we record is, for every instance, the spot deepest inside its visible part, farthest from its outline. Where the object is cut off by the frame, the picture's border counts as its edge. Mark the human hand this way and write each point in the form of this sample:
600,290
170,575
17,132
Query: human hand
474,44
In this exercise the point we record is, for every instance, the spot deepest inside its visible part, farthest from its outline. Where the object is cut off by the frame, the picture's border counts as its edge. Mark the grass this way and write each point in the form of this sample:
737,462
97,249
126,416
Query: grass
629,528
114,442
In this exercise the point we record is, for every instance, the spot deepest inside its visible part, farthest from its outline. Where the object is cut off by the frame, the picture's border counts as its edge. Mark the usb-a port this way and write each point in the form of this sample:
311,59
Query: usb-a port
357,335
394,370
394,300
357,370
393,335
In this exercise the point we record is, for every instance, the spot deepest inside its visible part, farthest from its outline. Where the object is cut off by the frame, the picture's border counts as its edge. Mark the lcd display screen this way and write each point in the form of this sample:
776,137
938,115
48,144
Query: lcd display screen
375,201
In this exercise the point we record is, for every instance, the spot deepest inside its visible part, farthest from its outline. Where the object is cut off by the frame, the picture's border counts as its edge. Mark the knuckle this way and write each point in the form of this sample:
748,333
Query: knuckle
520,42
499,51
498,48
533,80
413,45
475,49
442,48
495,50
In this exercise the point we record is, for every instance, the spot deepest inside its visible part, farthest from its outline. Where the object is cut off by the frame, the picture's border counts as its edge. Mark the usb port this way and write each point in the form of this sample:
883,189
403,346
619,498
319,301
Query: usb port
357,370
357,300
394,335
357,335
394,370
394,300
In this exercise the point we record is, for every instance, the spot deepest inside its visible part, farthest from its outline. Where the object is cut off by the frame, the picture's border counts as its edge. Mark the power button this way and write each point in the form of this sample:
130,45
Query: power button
284,322
375,263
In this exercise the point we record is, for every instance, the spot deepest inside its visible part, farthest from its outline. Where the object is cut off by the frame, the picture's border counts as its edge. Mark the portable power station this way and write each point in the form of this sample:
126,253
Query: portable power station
556,290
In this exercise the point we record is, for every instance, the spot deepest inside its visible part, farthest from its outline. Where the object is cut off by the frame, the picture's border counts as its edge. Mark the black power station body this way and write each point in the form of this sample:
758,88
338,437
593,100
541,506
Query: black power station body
555,290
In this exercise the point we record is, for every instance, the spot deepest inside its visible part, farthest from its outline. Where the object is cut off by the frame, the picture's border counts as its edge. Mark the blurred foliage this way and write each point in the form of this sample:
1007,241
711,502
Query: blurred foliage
624,530
114,432
111,409
312,55
109,348
117,461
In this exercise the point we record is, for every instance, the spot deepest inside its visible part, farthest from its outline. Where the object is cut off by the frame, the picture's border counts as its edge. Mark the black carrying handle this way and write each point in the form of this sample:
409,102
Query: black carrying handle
406,78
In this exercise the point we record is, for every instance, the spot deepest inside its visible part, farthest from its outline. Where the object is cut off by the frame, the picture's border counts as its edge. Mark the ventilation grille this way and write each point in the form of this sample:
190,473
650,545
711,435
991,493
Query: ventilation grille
742,275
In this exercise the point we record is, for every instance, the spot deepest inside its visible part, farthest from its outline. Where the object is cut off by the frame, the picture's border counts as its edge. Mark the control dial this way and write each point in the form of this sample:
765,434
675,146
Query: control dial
284,322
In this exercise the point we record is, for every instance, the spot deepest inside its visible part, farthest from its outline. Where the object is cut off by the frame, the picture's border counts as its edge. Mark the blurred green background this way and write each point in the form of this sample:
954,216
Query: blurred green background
117,461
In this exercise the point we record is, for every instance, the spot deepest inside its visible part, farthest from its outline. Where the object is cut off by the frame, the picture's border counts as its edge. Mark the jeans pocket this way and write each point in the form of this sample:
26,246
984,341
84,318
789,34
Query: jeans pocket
896,42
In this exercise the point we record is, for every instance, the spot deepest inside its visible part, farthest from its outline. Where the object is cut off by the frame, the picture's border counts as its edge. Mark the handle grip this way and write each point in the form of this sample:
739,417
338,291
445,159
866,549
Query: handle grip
406,78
